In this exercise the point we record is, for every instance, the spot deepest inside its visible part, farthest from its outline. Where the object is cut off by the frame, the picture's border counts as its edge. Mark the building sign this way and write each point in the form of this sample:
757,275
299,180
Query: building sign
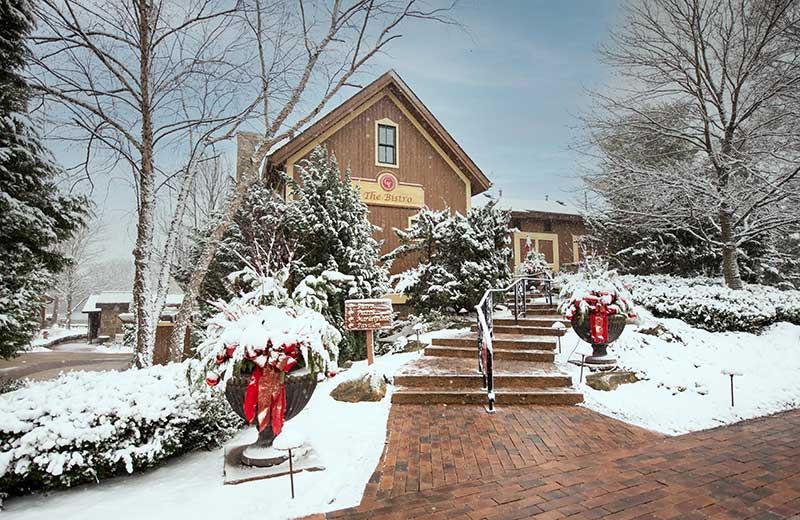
386,190
367,314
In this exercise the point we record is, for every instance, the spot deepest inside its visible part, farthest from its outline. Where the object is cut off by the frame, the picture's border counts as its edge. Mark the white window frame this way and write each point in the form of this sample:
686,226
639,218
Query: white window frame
388,122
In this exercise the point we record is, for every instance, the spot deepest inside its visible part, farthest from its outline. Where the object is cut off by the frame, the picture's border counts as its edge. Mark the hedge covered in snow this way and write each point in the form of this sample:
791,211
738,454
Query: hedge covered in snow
706,303
86,426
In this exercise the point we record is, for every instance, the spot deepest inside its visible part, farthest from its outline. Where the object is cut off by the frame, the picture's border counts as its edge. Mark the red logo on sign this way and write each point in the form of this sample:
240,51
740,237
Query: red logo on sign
387,181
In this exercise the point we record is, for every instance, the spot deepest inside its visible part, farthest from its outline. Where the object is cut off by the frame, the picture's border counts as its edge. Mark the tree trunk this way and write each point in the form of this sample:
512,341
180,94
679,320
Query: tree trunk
142,284
69,309
54,317
192,289
730,253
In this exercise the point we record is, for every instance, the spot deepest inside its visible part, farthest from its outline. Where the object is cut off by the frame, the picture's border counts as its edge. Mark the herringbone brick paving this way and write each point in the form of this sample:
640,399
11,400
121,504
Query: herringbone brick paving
557,462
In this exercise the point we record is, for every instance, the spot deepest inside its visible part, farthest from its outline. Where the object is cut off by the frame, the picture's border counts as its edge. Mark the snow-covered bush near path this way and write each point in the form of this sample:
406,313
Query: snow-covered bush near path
86,426
708,304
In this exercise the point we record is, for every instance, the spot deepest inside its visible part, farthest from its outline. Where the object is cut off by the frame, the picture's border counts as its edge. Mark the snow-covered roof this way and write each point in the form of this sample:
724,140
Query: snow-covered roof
560,206
112,297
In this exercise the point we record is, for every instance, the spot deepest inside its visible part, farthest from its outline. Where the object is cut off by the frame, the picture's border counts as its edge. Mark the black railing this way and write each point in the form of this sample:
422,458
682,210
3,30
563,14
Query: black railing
520,288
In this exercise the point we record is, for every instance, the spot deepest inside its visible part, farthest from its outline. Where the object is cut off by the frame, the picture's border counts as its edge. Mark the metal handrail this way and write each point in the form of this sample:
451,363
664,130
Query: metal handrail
485,318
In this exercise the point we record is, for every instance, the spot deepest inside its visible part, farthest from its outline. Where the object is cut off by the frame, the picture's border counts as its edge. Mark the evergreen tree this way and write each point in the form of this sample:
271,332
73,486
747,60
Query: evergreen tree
322,227
34,216
328,223
460,257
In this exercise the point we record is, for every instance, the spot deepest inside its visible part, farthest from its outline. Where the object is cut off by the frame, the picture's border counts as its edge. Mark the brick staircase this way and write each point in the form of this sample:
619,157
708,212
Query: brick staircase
524,372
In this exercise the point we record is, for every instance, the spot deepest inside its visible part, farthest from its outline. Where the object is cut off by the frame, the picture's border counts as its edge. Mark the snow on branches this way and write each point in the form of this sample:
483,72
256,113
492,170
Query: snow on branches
267,325
460,257
594,283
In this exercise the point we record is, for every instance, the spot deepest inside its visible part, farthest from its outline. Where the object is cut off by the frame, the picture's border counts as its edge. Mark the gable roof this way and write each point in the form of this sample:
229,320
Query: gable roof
392,81
121,297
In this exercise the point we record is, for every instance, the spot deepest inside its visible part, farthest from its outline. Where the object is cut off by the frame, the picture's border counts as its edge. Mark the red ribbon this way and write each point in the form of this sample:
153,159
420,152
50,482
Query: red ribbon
598,320
598,317
265,396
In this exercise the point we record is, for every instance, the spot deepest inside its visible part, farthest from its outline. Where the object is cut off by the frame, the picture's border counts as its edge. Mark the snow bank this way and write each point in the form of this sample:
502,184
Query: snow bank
708,304
84,426
349,437
58,335
683,387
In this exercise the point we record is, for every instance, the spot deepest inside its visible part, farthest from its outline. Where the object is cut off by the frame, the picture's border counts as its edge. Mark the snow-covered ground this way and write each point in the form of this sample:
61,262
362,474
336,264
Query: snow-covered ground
349,438
684,388
56,334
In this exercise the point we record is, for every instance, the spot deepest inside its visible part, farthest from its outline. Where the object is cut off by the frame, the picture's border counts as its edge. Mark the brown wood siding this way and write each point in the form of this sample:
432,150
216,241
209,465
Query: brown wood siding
565,229
418,163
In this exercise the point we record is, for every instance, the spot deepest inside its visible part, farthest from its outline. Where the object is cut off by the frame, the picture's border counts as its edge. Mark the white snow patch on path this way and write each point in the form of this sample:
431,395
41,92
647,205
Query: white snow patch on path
349,438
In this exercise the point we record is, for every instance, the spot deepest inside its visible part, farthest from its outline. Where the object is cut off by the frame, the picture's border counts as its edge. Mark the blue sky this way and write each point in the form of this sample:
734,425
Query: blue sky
508,87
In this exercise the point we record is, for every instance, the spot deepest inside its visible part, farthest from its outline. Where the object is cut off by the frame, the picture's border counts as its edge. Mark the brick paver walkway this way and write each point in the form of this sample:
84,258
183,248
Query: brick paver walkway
429,446
548,462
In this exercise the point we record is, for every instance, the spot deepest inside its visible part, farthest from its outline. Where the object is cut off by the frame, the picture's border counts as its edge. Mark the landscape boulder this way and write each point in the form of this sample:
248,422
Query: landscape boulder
608,381
368,387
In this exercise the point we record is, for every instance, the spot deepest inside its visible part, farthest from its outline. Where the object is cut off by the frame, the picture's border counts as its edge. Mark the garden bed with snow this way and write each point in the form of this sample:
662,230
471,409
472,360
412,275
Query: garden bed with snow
56,335
349,438
683,387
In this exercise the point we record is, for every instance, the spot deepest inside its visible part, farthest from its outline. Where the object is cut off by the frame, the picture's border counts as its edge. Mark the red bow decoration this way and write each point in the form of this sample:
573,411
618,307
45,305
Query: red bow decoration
598,317
265,396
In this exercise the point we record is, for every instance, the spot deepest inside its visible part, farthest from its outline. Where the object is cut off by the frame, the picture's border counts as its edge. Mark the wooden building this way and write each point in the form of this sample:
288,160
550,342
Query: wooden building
104,309
399,154
551,227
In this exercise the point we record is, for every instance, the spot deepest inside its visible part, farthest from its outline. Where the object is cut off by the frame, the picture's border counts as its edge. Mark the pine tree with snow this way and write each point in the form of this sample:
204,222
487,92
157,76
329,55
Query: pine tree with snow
460,257
34,216
322,227
329,223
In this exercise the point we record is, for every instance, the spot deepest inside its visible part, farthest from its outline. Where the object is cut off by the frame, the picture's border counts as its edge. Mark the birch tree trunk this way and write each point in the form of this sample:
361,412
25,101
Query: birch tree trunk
730,253
142,283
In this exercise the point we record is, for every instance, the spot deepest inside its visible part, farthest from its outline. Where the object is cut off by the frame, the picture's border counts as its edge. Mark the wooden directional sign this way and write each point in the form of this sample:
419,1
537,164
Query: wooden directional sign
367,314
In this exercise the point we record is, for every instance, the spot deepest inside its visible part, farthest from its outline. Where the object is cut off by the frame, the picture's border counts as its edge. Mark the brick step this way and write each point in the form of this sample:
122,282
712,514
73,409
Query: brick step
543,321
541,311
499,341
475,381
528,331
503,396
546,356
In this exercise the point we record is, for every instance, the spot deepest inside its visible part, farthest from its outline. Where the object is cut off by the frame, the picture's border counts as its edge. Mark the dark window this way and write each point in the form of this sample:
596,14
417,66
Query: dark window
548,226
387,144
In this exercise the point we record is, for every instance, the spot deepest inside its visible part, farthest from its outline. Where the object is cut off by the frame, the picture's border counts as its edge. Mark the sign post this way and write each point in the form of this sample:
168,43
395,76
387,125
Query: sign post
369,316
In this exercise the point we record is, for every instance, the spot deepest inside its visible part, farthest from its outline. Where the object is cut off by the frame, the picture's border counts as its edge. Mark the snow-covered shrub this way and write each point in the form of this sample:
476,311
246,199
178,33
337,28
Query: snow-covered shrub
535,263
86,426
706,303
460,257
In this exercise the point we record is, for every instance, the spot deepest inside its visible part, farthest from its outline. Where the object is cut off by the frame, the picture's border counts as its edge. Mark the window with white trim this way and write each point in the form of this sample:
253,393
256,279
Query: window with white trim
387,144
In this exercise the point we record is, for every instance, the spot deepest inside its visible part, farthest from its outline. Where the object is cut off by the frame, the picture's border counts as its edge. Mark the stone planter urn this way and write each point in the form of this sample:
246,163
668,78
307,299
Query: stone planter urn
581,324
300,384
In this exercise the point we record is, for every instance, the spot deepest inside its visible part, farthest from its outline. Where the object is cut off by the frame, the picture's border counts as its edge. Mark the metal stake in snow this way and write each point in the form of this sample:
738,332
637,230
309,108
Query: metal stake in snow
288,442
729,372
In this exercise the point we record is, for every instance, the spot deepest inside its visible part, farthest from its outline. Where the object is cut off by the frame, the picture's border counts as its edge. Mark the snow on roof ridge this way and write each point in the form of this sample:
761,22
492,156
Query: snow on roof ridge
112,297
